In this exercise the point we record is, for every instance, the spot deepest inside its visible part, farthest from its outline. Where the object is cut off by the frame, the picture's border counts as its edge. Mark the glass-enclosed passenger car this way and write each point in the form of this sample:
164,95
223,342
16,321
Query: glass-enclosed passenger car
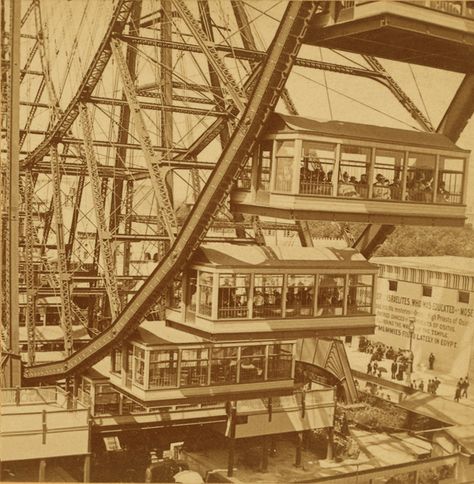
233,292
331,170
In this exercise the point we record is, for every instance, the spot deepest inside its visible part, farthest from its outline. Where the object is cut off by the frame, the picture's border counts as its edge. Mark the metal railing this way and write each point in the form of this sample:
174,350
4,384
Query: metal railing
458,8
29,395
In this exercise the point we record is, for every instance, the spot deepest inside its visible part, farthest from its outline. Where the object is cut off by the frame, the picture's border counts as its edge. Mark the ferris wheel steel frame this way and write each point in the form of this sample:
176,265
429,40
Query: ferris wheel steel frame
240,113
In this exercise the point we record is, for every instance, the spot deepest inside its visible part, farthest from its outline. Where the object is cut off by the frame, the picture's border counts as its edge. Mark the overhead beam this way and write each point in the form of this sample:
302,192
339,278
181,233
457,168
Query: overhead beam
459,111
159,107
74,169
111,144
255,55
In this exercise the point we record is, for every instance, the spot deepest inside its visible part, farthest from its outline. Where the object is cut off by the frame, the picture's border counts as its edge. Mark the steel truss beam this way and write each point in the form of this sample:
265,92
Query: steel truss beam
459,111
102,229
185,99
106,171
255,56
398,92
64,280
29,265
165,207
12,372
130,146
159,107
249,43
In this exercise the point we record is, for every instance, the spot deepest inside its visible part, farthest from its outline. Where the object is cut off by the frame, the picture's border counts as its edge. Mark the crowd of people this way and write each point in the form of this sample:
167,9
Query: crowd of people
431,387
418,187
400,363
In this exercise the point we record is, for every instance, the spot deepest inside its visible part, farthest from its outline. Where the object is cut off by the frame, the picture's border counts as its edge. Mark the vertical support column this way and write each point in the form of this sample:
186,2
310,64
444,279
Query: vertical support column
166,71
330,449
29,268
87,469
122,138
299,449
232,413
13,369
42,471
64,279
265,450
4,322
129,190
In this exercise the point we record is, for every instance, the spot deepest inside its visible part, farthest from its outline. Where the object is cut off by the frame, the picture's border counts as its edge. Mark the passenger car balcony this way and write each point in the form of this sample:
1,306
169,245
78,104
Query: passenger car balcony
437,34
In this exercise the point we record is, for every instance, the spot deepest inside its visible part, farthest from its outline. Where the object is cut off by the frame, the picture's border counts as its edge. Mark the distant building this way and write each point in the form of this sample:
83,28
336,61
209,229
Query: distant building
438,293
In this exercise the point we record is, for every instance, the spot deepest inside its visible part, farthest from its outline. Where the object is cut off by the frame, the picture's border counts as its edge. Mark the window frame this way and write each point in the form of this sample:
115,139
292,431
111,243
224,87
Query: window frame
426,290
156,365
392,285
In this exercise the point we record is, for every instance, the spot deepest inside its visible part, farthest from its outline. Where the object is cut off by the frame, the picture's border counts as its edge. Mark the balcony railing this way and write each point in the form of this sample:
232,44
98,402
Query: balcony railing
28,396
459,8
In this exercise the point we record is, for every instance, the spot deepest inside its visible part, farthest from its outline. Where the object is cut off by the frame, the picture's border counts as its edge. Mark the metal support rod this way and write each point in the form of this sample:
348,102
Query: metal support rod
13,366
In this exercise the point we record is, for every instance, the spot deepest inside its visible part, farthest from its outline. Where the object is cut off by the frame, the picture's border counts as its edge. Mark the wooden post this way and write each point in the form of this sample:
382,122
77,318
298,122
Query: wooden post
330,449
232,416
44,427
299,448
231,457
42,471
265,449
120,404
87,468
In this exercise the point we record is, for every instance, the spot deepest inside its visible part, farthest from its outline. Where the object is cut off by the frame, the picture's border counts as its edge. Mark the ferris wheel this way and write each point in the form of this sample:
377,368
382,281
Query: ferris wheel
150,127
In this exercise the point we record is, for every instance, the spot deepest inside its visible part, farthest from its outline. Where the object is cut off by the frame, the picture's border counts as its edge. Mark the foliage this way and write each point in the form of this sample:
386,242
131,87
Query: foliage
410,241
377,419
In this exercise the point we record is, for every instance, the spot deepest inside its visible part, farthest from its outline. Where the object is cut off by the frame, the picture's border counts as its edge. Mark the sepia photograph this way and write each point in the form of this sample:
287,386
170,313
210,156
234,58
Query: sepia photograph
237,241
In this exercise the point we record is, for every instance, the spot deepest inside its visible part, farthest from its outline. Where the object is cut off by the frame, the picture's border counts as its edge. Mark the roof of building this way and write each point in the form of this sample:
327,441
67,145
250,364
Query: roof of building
252,256
438,408
450,264
156,333
343,129
464,435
